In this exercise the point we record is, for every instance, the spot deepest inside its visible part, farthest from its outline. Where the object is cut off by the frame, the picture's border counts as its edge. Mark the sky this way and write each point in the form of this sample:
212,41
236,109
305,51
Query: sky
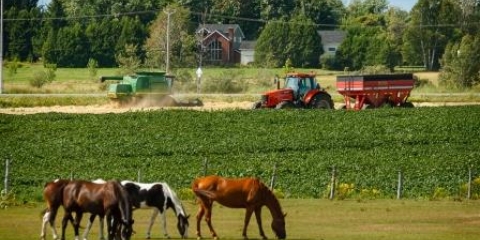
406,5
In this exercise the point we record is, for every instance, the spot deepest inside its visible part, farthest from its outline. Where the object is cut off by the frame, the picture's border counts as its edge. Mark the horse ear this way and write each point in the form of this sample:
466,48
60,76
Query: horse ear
188,216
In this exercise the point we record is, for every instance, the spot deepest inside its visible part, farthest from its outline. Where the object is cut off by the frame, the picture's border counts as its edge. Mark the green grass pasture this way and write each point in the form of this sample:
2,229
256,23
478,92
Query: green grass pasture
306,219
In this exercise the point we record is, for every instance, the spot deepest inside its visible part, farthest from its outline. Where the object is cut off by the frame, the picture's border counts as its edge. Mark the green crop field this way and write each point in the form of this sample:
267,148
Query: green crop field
433,148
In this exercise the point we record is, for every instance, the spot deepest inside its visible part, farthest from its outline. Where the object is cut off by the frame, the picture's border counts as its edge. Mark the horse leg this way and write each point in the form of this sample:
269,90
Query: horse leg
49,217
102,219
44,223
110,227
89,226
155,211
258,216
248,215
164,224
66,217
208,219
76,224
200,213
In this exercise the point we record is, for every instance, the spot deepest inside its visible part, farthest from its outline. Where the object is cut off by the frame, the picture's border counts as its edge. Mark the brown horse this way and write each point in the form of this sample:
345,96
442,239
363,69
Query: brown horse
53,195
108,199
248,193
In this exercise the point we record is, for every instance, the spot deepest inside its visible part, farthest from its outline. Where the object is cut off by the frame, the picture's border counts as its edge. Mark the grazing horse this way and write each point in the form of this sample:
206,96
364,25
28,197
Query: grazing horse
248,193
160,197
53,195
108,199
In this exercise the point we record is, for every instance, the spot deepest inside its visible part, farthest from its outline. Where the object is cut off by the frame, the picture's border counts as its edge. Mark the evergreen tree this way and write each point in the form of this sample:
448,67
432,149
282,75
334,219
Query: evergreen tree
365,43
101,35
73,46
326,14
304,47
132,33
55,21
270,49
20,31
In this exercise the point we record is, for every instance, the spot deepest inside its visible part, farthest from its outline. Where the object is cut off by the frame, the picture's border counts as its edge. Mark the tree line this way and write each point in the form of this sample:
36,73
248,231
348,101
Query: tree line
436,34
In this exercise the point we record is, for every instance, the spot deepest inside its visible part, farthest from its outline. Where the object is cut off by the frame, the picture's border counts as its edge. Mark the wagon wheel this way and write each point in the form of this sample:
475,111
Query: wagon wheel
367,106
321,101
257,105
285,105
388,104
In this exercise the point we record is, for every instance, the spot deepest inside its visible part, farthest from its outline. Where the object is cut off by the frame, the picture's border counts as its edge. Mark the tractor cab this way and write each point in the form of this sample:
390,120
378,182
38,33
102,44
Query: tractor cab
301,84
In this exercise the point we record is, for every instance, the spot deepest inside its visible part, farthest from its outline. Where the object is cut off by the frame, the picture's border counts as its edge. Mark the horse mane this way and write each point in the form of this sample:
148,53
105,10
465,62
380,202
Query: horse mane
271,201
123,199
177,204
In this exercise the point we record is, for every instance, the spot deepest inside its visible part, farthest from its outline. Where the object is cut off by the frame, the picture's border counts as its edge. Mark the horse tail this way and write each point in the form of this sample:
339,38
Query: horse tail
42,213
204,193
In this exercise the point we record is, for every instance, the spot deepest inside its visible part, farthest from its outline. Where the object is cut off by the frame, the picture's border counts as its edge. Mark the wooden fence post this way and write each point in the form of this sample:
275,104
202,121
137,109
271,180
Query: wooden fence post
469,186
272,181
399,184
7,169
332,183
205,167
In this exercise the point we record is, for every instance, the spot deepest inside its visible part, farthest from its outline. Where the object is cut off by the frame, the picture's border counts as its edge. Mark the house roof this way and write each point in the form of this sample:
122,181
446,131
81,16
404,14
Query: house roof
222,28
332,36
248,45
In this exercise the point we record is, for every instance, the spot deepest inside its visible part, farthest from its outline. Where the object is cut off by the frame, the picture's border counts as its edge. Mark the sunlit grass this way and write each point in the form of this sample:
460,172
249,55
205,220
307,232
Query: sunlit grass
306,219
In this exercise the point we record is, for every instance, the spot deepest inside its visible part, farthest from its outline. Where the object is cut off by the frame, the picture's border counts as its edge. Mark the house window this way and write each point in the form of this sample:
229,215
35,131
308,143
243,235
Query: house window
332,49
215,51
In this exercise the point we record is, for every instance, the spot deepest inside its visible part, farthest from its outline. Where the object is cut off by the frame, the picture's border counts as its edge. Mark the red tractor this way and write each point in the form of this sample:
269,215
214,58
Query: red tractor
301,90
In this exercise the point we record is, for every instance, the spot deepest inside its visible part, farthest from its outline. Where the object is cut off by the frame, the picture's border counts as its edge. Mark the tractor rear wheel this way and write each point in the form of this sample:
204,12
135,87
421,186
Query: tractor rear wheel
322,101
285,105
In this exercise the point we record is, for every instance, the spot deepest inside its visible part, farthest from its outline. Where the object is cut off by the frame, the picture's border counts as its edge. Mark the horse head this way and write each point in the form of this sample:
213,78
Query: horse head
133,191
182,225
127,229
278,227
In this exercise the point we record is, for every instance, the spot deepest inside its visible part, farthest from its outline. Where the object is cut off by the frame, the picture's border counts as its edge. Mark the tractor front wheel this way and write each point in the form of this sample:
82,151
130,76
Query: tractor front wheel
257,105
322,101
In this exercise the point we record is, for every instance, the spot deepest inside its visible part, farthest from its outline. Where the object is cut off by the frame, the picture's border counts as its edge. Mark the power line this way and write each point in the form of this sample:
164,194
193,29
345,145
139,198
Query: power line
133,13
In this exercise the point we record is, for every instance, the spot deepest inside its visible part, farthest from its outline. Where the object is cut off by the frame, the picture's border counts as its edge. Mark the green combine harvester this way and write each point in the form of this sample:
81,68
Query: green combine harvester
154,88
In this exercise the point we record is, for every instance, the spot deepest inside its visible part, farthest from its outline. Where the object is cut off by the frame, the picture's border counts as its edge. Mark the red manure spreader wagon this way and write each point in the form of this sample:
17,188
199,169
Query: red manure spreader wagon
373,91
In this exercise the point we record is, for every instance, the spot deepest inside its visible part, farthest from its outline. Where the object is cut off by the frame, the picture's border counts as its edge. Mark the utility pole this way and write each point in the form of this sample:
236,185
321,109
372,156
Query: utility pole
1,46
169,13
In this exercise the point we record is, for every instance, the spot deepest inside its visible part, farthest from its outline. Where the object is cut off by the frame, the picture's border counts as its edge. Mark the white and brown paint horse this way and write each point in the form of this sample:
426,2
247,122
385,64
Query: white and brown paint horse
160,197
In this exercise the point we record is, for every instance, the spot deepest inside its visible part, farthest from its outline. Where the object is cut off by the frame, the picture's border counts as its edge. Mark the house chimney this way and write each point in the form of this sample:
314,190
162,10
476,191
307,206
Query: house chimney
231,40
230,33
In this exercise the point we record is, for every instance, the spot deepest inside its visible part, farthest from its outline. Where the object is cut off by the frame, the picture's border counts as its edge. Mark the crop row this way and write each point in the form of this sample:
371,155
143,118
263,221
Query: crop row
433,147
